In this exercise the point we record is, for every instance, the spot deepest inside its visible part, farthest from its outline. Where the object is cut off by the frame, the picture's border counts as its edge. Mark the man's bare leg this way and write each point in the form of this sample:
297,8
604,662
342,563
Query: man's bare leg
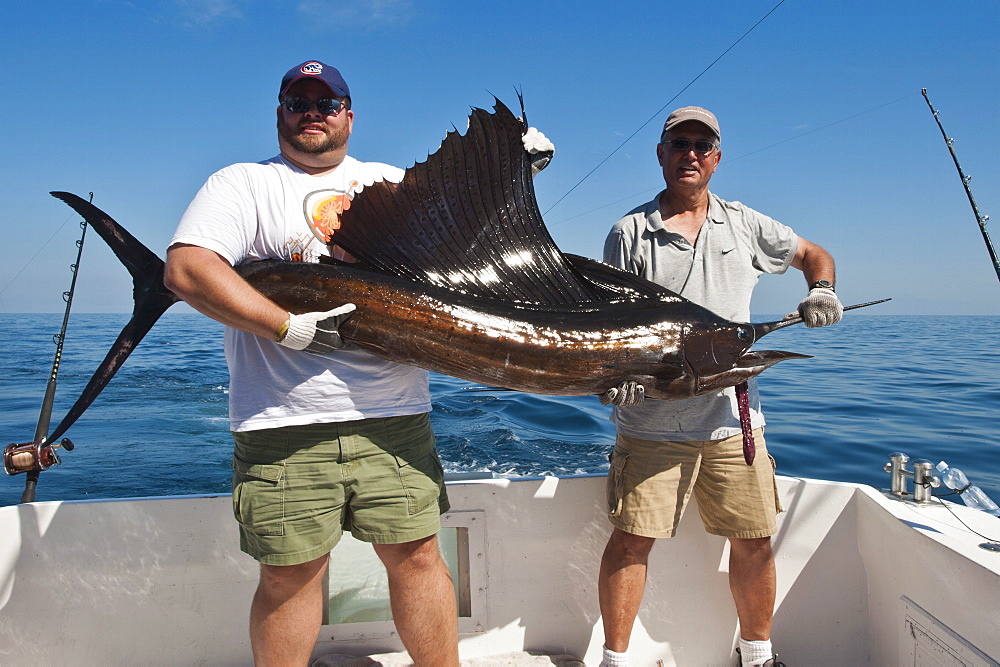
422,596
620,585
286,613
753,582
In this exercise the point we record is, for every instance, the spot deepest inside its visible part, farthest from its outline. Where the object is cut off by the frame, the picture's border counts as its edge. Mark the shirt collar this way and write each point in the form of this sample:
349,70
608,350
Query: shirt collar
716,211
654,223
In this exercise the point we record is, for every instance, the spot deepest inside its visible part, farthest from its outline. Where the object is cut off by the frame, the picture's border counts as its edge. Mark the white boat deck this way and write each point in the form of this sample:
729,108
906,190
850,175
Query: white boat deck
863,580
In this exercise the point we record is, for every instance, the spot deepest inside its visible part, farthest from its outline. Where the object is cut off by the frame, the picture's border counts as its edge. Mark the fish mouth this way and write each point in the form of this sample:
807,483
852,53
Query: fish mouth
708,361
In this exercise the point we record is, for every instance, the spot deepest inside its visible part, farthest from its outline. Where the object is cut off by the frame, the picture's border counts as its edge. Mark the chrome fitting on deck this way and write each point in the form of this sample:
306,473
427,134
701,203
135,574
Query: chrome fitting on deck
923,480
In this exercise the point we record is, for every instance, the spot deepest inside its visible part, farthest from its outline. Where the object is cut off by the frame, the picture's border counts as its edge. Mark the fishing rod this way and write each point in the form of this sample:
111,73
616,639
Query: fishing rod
980,218
36,456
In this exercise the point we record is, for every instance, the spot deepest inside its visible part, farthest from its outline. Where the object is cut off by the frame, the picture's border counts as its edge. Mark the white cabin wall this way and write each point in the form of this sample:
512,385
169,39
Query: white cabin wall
821,611
546,537
123,582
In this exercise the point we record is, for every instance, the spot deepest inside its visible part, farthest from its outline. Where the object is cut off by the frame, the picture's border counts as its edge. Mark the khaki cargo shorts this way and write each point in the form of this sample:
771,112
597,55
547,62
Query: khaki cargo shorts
650,483
297,488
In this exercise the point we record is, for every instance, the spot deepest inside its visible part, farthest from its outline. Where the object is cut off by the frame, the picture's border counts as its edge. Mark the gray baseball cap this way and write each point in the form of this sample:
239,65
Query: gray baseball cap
703,116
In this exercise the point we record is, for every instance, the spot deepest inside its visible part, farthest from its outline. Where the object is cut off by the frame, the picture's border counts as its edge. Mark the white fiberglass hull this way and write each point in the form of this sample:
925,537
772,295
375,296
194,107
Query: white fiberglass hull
862,580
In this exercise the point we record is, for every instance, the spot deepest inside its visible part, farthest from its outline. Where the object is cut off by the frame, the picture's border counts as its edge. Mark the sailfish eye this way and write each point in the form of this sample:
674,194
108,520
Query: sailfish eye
743,333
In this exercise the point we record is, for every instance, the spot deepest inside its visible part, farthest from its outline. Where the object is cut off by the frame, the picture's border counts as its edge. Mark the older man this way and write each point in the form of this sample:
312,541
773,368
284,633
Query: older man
712,252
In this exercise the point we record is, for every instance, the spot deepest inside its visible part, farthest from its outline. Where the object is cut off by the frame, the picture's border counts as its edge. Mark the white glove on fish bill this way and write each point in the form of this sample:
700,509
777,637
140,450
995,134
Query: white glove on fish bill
820,308
316,332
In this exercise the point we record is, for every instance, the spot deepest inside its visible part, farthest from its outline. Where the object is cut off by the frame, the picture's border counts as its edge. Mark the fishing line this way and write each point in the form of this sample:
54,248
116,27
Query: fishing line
729,161
822,127
39,252
669,102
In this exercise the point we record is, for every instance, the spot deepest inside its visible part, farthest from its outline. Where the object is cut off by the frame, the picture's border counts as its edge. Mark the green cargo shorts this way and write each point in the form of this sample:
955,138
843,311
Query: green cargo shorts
297,488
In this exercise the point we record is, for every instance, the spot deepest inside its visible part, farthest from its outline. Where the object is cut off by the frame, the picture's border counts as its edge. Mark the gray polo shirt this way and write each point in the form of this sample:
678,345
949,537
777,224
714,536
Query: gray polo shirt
735,246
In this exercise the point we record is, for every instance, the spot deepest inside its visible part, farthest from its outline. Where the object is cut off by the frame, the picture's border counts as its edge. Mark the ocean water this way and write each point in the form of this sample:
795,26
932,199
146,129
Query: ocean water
925,386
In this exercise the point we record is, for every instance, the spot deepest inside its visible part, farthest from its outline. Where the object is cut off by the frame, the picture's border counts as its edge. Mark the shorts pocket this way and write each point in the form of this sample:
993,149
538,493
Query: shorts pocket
422,480
616,481
777,500
411,441
258,497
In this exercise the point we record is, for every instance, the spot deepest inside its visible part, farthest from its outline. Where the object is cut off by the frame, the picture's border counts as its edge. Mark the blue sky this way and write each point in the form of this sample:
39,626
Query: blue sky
824,127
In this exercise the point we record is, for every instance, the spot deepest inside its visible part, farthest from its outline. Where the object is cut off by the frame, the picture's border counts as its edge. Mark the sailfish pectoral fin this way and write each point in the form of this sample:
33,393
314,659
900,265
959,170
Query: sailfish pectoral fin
767,358
750,364
151,299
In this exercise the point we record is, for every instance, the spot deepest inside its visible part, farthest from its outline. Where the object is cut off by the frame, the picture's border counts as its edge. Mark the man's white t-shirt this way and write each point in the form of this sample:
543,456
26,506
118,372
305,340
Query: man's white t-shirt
253,211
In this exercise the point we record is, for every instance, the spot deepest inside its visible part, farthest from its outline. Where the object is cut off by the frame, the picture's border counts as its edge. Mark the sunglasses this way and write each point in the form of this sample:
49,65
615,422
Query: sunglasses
328,106
700,146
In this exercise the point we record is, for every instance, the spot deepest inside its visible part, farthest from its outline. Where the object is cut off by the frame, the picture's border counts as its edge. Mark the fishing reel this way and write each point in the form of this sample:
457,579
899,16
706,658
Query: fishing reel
32,456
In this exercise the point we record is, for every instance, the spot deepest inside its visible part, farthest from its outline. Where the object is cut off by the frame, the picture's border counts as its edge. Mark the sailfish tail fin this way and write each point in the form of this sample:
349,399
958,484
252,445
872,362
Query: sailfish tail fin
151,299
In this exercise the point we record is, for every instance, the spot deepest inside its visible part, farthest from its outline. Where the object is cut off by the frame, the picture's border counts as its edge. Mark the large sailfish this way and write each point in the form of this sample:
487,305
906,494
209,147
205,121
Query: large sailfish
454,272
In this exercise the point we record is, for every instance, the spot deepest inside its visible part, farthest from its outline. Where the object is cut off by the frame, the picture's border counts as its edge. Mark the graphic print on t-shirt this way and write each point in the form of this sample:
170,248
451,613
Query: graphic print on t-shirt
298,250
322,209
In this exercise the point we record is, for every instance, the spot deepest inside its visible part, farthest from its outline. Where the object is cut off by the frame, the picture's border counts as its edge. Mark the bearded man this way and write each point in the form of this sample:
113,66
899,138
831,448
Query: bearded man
321,431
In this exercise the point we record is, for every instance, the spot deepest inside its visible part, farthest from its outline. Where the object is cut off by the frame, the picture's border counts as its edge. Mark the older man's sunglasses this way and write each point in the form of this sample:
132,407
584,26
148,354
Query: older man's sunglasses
700,146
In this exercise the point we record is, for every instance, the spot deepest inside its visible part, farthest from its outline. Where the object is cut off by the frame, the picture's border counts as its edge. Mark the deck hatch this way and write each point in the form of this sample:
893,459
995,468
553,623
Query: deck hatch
357,589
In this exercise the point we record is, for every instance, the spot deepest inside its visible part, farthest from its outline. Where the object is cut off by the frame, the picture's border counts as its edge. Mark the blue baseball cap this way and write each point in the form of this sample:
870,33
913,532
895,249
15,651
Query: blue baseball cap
314,69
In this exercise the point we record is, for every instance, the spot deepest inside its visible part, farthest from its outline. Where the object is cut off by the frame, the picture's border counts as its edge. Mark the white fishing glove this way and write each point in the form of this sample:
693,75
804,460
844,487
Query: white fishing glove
316,332
540,149
625,395
820,308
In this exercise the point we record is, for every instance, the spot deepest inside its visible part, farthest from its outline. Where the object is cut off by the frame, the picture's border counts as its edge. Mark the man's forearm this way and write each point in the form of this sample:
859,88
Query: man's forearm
208,284
814,262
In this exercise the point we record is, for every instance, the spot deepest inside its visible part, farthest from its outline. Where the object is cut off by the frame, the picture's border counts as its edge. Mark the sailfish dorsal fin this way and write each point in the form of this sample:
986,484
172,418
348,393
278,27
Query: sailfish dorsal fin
466,219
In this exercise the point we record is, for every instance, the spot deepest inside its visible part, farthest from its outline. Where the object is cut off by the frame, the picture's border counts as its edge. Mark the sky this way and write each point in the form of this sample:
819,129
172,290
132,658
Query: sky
823,122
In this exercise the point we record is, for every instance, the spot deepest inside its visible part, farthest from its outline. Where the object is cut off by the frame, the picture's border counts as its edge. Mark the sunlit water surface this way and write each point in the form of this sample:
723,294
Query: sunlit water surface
925,386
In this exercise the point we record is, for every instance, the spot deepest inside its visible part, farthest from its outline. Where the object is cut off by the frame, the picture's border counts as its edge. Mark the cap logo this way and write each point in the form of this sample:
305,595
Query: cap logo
312,68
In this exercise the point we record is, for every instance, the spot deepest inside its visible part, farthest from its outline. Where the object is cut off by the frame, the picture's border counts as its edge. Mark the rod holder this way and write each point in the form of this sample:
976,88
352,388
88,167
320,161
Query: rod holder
921,474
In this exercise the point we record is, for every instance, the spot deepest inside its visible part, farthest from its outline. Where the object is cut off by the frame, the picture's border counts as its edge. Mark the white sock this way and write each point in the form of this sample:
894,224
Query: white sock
612,659
756,652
